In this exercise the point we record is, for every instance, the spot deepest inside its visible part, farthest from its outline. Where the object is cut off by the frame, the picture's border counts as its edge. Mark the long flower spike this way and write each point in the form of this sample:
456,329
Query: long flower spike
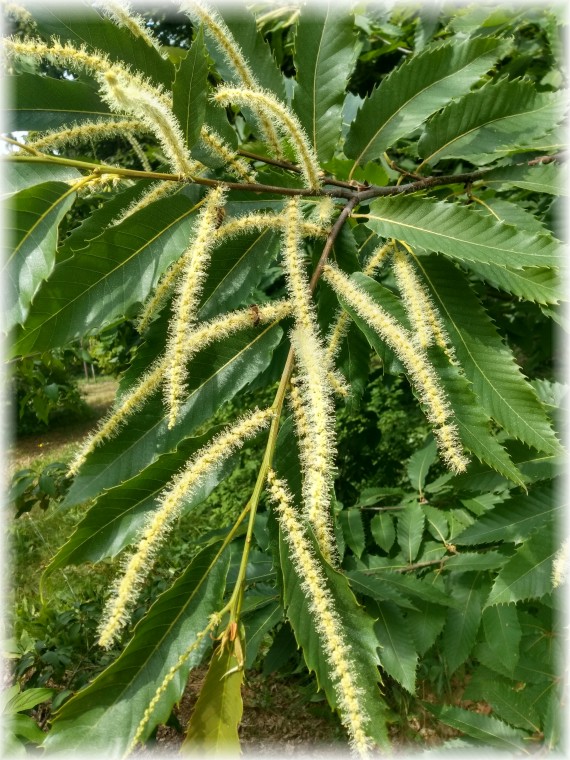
414,360
123,15
216,27
86,132
195,263
286,121
217,146
321,603
159,522
259,221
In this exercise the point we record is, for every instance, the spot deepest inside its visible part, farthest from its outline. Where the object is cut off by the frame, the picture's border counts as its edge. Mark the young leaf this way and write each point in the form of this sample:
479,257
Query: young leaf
497,116
463,620
106,713
257,625
398,655
419,464
116,271
40,103
353,529
382,527
528,574
33,217
213,726
190,90
503,633
411,522
416,89
324,57
500,386
459,232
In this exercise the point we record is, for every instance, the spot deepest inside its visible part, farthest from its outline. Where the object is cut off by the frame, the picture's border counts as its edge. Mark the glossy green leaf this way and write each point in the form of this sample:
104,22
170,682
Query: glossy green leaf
213,726
416,89
425,623
358,631
120,513
190,90
498,382
218,374
408,585
398,654
497,116
459,232
101,34
39,103
509,703
464,561
32,218
411,521
543,178
257,625
27,699
383,531
105,715
21,176
375,589
539,284
485,728
101,283
517,518
419,464
463,621
503,633
353,529
528,574
324,57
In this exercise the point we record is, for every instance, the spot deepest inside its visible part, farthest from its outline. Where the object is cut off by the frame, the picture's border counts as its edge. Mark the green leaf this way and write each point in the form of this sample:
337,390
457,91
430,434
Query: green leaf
21,726
528,574
27,699
539,284
105,715
32,217
101,34
120,513
544,178
353,529
324,58
503,633
39,103
462,621
488,560
496,117
419,464
517,518
416,89
218,374
256,626
21,176
190,90
425,624
459,232
485,728
498,382
383,531
358,631
213,726
398,655
418,588
101,283
376,589
411,521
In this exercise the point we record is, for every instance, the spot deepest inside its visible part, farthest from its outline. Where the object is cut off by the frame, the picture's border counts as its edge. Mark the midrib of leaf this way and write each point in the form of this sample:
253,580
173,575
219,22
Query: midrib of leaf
475,362
485,124
410,100
147,242
393,644
38,221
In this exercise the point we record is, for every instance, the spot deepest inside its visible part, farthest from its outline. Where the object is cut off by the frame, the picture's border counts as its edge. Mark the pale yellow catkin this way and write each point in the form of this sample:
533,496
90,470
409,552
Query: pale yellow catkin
334,641
413,358
414,297
155,192
140,730
123,15
216,27
159,522
86,132
259,221
285,120
189,288
233,163
115,419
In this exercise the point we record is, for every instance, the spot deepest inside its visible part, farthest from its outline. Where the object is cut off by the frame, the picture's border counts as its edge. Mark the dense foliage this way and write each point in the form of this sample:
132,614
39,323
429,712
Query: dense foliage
338,247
